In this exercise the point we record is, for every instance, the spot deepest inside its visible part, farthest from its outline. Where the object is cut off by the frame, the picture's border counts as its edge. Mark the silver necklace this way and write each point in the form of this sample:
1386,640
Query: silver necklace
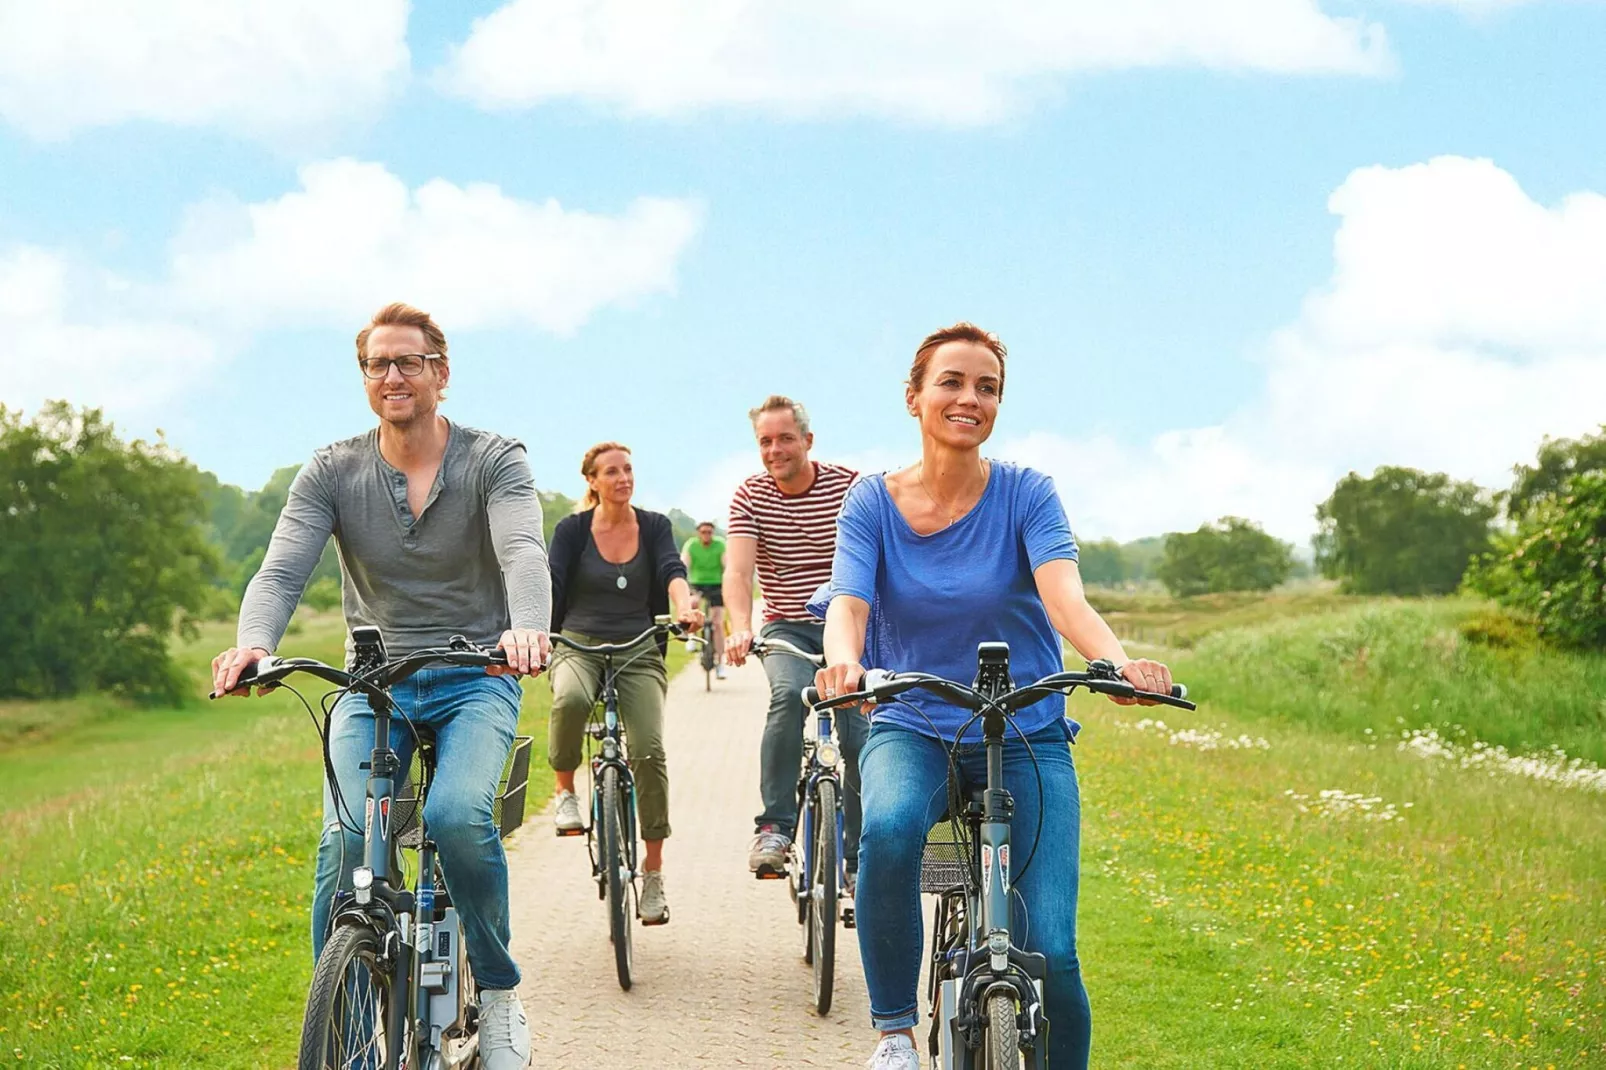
920,474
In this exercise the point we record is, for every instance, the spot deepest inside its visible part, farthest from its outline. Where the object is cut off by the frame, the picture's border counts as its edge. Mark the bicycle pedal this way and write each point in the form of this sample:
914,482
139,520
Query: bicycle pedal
658,921
766,874
565,833
848,919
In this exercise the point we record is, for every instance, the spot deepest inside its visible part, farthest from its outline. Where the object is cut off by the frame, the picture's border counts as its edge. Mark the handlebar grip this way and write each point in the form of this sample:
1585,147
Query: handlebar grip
1179,691
247,677
811,696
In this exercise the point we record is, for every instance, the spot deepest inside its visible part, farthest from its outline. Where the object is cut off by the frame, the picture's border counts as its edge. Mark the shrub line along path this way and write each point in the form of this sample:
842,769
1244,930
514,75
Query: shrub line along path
724,983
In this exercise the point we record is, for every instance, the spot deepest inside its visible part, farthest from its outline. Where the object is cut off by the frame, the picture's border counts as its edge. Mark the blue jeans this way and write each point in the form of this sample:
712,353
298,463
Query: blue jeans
473,717
904,776
781,753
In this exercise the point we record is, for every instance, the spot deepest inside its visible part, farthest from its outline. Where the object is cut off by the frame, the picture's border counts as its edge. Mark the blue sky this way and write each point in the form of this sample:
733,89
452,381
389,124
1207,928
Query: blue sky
1236,248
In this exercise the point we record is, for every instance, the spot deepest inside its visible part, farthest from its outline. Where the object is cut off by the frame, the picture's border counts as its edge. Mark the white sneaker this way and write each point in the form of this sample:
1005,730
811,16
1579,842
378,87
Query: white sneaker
895,1052
654,907
719,672
567,817
504,1032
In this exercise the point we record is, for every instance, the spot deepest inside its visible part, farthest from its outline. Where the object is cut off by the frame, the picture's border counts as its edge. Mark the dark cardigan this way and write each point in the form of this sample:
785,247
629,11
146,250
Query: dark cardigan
657,539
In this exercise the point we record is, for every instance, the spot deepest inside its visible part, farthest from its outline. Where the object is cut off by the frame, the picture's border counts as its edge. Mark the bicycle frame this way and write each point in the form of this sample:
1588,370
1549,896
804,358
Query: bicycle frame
988,960
974,957
614,753
422,958
821,761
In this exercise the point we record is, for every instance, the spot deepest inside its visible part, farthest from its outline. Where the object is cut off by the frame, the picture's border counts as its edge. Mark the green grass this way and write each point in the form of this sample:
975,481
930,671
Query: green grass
159,861
1378,668
158,871
1221,925
1158,619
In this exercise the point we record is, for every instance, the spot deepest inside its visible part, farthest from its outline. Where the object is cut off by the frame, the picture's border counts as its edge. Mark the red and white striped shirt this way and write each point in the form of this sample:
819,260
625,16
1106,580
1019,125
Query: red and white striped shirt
796,535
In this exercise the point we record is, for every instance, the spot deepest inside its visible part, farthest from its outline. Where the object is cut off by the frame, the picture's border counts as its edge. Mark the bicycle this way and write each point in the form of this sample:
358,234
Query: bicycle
392,987
816,865
986,993
611,835
705,656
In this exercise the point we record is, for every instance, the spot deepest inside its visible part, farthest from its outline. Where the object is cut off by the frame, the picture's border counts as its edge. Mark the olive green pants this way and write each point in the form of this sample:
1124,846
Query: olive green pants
642,682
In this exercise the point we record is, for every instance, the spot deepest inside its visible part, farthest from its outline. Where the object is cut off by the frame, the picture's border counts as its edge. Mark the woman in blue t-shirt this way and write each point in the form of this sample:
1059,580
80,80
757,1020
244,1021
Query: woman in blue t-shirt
930,561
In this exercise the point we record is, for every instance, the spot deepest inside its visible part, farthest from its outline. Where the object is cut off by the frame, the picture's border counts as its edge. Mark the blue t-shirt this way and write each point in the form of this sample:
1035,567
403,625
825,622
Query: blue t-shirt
934,598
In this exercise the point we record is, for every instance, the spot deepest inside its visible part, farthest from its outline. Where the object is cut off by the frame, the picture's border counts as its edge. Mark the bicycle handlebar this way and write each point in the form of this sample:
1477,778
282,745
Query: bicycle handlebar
882,686
664,625
268,671
762,646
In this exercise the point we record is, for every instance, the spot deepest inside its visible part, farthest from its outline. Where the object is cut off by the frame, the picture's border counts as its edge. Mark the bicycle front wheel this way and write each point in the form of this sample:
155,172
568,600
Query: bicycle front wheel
1002,1049
619,891
822,895
347,1023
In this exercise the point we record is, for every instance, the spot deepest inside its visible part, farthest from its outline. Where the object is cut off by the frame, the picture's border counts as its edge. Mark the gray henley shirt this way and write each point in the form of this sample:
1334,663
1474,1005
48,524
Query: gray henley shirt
472,563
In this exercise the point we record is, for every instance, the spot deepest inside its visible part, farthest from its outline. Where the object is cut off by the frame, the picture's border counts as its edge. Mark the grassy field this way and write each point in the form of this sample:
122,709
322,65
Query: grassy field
157,874
1273,881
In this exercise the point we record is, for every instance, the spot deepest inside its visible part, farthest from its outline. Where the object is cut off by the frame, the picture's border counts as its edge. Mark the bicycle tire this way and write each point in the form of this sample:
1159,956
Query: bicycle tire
822,895
619,888
1002,1047
353,951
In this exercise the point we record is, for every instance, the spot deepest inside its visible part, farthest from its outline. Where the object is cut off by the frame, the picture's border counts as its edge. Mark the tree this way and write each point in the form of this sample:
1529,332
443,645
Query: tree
554,507
1102,562
103,555
1553,567
1232,554
1141,557
1559,460
1402,531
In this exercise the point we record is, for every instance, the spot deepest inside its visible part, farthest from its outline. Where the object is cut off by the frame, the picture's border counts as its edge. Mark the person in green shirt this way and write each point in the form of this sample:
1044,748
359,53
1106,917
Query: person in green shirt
704,556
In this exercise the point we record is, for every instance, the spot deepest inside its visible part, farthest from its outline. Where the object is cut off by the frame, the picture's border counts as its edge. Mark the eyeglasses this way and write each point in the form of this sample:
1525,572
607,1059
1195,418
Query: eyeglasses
409,364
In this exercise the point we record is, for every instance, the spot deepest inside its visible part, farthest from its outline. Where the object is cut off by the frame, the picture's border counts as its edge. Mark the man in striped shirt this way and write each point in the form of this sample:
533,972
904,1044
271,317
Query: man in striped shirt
783,521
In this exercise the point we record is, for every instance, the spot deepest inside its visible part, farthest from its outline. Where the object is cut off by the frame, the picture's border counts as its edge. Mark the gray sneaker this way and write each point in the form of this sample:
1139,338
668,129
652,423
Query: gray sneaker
567,817
767,857
653,908
895,1052
504,1031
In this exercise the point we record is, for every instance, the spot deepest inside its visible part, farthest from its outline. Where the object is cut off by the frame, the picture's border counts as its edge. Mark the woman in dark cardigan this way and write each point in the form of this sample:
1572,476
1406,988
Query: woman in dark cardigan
615,568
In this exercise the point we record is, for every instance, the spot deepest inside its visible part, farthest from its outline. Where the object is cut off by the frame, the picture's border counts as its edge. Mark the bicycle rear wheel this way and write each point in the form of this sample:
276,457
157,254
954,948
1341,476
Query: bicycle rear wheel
619,891
706,657
347,1022
822,895
1002,1050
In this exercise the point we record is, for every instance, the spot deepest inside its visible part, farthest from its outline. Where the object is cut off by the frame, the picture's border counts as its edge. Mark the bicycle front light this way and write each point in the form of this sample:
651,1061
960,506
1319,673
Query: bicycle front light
362,882
827,754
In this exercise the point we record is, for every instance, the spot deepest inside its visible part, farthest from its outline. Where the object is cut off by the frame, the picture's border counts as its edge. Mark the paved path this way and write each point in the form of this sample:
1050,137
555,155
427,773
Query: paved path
723,984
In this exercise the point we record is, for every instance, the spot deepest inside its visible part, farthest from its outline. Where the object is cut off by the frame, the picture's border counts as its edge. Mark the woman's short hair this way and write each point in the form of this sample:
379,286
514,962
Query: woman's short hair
959,332
588,468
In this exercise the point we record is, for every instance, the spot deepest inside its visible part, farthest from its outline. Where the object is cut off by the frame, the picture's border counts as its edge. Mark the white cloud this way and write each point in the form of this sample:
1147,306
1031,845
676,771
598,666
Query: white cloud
936,61
1476,7
1462,323
109,354
262,67
354,237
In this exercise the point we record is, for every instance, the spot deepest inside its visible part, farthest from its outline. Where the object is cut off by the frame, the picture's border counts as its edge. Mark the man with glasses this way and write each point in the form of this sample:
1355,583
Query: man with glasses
439,532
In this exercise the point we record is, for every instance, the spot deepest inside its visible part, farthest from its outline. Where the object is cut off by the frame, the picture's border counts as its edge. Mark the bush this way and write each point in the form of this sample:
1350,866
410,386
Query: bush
323,594
1231,555
1554,566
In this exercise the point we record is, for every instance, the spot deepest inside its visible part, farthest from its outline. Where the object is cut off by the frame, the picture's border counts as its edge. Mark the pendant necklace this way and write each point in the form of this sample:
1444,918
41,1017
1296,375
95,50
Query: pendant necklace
920,474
